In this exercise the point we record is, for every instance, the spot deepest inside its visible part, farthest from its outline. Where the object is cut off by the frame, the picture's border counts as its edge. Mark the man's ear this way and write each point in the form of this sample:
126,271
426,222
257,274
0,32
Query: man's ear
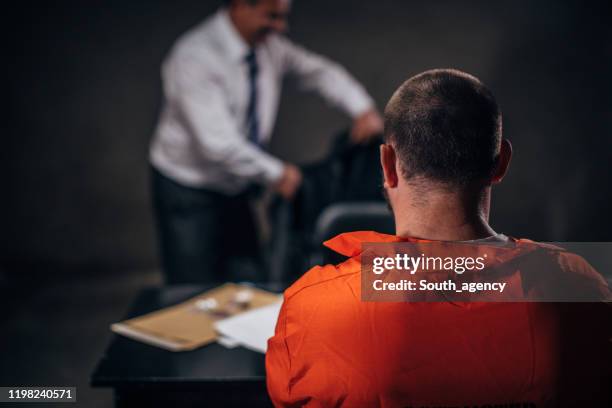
388,163
503,161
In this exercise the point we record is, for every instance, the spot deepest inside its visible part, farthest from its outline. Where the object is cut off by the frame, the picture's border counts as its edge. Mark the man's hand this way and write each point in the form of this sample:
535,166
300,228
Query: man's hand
366,126
289,181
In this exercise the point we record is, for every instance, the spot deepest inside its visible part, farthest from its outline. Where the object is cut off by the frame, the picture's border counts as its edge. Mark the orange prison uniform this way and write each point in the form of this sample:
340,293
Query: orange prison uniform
331,349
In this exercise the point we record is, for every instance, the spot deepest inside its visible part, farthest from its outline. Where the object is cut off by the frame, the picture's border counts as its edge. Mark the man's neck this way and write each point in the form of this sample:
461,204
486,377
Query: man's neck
239,28
443,215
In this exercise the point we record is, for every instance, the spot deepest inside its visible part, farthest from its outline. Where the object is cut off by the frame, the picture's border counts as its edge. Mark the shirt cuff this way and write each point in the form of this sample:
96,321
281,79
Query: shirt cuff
272,170
358,103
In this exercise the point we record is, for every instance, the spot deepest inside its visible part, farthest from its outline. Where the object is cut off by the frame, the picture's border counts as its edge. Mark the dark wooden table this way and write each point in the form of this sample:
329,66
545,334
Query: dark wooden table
143,375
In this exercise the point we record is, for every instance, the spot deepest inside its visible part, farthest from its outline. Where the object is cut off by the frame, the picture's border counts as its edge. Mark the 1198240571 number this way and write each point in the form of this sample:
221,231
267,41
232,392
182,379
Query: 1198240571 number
39,393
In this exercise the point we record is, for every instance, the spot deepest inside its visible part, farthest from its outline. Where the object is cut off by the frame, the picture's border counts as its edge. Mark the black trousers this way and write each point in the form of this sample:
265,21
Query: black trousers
205,236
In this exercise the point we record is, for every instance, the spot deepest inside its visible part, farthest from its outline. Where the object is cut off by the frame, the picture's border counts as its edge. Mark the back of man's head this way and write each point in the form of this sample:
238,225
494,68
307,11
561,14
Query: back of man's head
446,127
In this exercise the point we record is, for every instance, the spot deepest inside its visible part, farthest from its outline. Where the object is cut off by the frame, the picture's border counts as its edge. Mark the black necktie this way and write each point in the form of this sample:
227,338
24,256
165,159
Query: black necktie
252,120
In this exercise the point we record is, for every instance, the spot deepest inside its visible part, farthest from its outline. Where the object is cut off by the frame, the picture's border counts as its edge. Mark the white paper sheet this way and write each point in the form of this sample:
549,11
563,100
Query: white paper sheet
251,329
227,342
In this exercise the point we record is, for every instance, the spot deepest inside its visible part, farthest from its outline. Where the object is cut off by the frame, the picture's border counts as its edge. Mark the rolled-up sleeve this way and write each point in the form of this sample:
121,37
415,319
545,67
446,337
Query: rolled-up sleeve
200,97
329,79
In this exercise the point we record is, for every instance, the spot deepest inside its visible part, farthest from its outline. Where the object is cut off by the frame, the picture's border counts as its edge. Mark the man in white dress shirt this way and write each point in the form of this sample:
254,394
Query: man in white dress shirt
222,83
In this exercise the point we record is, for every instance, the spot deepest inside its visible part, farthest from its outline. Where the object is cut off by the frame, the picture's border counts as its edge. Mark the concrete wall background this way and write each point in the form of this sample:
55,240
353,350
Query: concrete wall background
84,91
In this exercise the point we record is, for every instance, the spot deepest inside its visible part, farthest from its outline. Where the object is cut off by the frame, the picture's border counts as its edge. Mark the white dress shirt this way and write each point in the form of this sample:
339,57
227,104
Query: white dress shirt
201,137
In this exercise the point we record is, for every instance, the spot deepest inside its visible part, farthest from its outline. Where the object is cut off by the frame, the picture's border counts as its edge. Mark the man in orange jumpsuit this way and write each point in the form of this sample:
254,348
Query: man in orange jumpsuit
443,152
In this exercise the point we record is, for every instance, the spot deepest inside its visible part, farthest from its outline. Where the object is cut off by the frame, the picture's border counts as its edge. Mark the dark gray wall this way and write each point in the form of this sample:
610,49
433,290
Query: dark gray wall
84,92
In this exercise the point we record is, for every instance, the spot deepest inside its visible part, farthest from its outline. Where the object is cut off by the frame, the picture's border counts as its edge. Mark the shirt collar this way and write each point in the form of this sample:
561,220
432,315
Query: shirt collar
236,47
349,243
